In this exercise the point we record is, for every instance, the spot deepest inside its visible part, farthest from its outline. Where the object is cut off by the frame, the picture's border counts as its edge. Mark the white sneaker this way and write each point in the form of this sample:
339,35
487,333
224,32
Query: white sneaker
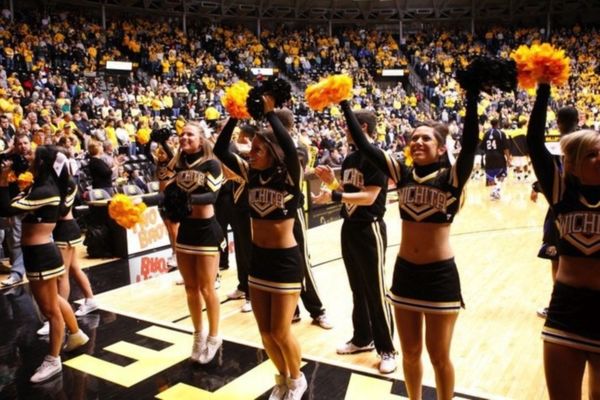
218,281
49,367
172,261
213,344
198,346
236,294
351,348
323,322
542,312
247,307
86,307
44,330
296,388
280,388
75,340
387,365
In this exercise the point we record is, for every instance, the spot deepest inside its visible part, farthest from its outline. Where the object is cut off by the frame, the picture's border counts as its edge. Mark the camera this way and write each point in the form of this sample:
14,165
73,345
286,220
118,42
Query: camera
160,135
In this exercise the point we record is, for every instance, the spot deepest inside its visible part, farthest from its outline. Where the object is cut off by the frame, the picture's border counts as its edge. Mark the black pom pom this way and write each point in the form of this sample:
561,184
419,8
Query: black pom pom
280,89
254,103
483,73
176,204
160,135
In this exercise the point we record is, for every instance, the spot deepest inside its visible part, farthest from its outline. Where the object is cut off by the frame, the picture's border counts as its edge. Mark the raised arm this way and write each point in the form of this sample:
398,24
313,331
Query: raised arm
229,159
378,157
470,136
287,145
543,162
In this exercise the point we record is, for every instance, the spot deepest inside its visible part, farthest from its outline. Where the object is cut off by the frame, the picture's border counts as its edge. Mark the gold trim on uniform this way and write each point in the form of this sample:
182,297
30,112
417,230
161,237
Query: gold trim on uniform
190,249
70,198
28,204
561,337
393,167
70,243
274,287
44,275
433,307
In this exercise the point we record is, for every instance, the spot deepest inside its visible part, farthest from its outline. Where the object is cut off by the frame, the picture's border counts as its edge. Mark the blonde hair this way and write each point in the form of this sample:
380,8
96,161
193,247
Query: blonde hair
574,146
206,144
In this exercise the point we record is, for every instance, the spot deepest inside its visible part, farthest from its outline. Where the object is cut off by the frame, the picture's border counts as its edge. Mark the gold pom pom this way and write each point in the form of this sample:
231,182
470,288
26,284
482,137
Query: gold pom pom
541,63
24,180
122,209
328,91
143,136
234,100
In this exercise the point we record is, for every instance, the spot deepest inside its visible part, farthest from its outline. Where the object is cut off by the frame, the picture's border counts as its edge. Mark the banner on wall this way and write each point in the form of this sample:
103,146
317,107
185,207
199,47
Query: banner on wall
149,234
142,268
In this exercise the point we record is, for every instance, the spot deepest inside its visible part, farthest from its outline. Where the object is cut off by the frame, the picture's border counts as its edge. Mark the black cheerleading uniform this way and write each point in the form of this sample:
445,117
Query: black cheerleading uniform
67,233
429,194
309,294
570,321
200,179
41,204
242,234
273,194
364,241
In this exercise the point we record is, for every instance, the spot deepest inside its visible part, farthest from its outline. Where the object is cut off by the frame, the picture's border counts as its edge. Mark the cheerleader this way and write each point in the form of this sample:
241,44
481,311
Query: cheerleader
196,182
363,193
273,176
572,331
426,286
43,204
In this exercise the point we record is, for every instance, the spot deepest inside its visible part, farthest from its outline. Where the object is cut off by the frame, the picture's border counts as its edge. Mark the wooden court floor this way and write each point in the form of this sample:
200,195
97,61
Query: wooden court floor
497,350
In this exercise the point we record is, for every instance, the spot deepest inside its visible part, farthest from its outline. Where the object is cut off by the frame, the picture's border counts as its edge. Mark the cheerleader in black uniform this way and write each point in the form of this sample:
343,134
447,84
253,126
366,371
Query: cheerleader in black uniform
363,193
199,237
426,285
165,171
43,204
273,176
67,235
572,331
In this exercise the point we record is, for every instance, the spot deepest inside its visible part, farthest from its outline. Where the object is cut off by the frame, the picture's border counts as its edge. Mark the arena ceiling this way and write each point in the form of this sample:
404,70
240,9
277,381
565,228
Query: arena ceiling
355,10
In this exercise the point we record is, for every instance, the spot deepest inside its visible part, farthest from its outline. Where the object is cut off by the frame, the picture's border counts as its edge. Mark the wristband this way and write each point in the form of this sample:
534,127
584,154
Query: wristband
336,196
333,185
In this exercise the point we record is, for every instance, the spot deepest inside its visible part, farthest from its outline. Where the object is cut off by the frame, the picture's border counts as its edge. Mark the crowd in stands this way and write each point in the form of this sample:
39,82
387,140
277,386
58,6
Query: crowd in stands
51,85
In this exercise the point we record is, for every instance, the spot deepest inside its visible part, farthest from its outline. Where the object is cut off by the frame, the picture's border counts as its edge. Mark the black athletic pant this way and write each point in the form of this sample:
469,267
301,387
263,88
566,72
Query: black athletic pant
242,239
309,295
363,251
223,213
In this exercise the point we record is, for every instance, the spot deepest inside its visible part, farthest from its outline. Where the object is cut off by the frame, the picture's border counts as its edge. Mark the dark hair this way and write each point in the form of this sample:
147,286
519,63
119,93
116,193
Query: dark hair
269,138
567,119
367,117
43,170
440,131
248,130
